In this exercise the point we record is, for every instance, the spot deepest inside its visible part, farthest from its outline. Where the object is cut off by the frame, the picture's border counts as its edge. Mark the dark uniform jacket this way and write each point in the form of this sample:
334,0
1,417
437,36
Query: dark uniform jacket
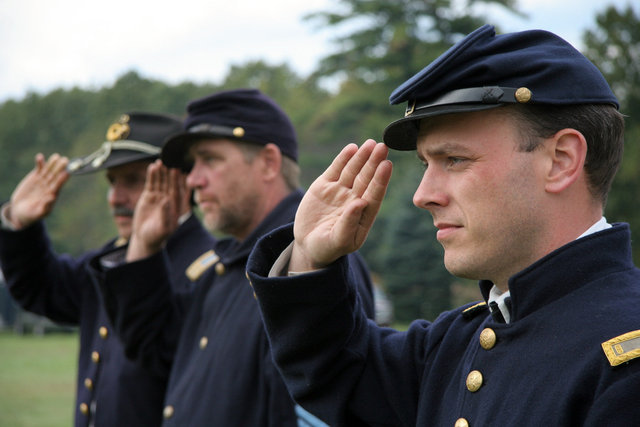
60,288
223,374
567,358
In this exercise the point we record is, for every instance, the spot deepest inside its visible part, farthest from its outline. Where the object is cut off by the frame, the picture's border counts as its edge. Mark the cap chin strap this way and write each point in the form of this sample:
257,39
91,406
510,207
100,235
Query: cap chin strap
98,157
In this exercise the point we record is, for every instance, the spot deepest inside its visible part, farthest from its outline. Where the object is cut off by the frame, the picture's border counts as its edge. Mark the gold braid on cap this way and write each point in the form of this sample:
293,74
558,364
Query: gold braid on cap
99,156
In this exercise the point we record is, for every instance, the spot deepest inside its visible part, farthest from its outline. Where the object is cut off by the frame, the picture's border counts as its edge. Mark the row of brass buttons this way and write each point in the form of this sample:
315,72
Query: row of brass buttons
95,358
204,341
475,379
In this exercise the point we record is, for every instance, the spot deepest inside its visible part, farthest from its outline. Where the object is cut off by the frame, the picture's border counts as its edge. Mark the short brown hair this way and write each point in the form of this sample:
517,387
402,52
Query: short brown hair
601,125
289,169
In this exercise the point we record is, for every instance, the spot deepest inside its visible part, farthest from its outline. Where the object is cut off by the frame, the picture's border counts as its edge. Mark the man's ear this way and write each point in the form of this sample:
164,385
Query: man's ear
568,151
272,160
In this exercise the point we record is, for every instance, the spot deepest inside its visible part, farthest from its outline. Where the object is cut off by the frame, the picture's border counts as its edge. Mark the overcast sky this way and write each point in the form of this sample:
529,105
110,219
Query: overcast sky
47,44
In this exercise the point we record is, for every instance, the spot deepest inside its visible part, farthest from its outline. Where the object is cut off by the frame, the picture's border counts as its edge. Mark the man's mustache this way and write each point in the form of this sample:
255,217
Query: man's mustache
121,211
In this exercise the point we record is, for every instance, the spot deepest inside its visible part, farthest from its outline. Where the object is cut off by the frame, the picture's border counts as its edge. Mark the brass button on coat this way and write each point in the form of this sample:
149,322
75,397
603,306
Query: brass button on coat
488,338
461,422
104,332
168,411
95,356
474,381
203,342
84,408
88,383
220,270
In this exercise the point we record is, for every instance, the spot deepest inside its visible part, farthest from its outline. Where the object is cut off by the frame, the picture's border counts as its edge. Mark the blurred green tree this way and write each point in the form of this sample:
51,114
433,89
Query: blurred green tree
614,45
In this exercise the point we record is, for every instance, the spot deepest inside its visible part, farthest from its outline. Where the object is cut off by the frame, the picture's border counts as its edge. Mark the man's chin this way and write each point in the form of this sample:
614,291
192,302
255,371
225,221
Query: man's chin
124,227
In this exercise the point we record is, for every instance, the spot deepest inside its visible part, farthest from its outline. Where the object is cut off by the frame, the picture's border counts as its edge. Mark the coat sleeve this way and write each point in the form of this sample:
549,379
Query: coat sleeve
40,280
618,404
337,364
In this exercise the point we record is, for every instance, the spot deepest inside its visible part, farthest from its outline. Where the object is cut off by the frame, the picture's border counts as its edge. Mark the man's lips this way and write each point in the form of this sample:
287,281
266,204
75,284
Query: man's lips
446,230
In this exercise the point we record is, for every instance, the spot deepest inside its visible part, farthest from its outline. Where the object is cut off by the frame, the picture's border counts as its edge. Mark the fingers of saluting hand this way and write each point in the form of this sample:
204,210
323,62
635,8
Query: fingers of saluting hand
54,170
350,163
377,187
176,186
156,177
355,168
368,164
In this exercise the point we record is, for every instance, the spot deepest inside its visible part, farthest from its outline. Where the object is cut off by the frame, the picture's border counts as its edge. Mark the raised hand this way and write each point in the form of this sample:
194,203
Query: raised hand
338,210
157,211
35,196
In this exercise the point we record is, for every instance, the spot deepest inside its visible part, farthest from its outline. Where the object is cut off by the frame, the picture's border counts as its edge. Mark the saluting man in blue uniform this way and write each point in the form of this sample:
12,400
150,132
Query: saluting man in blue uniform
111,390
520,138
241,152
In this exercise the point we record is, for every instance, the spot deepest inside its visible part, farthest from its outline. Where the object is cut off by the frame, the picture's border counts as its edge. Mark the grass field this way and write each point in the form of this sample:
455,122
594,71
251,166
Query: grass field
37,379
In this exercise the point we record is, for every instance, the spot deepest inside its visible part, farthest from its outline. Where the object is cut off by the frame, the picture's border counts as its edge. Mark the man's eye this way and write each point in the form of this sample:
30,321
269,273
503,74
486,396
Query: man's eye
452,161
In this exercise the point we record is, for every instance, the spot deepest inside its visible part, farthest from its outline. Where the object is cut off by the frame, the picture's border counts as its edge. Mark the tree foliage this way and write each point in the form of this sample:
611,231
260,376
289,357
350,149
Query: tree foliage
389,41
614,45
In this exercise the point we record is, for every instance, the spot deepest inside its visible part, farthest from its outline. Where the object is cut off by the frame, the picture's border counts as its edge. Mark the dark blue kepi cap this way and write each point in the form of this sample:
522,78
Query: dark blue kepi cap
240,114
485,71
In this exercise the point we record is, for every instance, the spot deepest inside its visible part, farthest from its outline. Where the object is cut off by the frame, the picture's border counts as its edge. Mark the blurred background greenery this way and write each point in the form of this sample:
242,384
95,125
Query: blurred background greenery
37,379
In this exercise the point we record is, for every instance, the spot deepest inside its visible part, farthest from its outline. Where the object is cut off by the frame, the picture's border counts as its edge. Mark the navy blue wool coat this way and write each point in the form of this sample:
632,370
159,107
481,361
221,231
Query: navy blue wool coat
569,356
111,390
221,369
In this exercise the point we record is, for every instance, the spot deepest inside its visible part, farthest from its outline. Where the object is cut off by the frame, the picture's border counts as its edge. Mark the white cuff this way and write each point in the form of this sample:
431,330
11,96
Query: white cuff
5,223
281,265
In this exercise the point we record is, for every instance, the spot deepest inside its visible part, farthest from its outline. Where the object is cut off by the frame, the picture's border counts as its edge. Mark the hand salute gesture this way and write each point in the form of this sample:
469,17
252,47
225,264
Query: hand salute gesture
338,210
164,199
35,195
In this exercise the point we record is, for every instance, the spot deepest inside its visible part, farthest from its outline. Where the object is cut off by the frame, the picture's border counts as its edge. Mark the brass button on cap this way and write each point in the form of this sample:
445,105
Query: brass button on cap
104,332
523,95
88,383
461,422
474,381
203,342
488,338
220,270
95,356
238,132
167,412
84,408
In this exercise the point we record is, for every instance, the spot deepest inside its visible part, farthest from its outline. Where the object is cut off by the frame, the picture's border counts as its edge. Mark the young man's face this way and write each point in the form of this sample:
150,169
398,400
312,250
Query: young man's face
483,193
225,187
126,183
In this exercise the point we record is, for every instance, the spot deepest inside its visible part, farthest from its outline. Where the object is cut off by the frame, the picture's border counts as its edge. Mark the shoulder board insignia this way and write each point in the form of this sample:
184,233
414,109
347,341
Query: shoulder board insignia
474,310
201,264
622,348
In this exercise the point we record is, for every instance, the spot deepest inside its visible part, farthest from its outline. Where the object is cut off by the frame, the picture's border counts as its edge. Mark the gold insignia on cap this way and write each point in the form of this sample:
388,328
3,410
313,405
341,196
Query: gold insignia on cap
118,131
201,264
523,95
622,348
238,132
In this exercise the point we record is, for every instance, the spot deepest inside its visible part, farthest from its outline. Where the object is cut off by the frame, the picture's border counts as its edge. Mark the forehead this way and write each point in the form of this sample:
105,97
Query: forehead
465,128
